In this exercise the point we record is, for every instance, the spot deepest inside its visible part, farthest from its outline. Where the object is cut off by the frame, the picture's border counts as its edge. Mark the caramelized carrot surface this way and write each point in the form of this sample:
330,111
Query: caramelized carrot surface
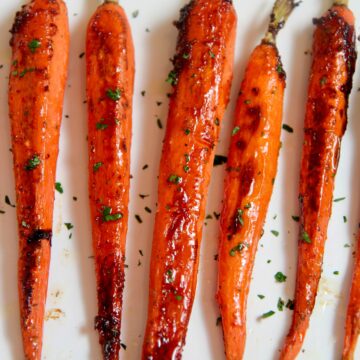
110,82
352,327
201,78
40,45
325,123
251,171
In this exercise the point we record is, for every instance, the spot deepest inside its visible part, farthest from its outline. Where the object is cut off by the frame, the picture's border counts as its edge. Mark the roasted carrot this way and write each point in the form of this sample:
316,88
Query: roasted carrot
201,79
352,328
110,83
251,170
40,45
325,123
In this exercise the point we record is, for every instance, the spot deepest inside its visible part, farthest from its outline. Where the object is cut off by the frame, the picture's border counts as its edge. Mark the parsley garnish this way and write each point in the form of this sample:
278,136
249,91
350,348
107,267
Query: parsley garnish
100,125
172,78
238,248
220,160
58,187
305,236
235,130
8,202
267,314
69,226
275,233
107,214
33,45
287,128
32,163
339,199
175,179
261,296
113,94
97,166
280,277
138,218
296,218
159,123
280,304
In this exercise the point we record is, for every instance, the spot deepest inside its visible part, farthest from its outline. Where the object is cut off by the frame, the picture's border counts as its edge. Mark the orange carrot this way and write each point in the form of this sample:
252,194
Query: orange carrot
110,82
201,79
40,45
325,123
252,165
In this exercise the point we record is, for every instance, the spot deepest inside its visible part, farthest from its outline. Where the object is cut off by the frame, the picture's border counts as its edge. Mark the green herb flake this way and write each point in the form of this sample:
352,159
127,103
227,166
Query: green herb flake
268,261
187,131
295,218
186,168
220,160
347,246
59,188
280,70
100,125
69,226
8,202
169,276
261,296
159,123
172,78
107,214
135,14
287,128
345,219
235,130
33,45
143,196
97,166
178,297
336,273
247,102
212,55
280,277
187,158
305,237
339,199
218,321
238,248
290,304
217,215
323,80
239,217
25,71
280,304
185,56
138,218
113,94
175,179
32,163
267,314
275,233
147,209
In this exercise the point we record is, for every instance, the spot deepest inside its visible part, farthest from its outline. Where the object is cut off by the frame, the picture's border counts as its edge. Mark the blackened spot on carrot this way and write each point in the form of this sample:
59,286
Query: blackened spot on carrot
241,144
110,290
255,91
255,114
320,110
38,235
21,18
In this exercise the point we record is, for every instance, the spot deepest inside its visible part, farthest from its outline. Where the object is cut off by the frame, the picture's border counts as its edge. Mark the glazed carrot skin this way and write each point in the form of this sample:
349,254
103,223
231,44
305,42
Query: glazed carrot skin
352,328
40,44
325,123
202,79
110,82
252,165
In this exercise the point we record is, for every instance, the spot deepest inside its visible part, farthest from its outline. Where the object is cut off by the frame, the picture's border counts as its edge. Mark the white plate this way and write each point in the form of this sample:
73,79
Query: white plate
72,280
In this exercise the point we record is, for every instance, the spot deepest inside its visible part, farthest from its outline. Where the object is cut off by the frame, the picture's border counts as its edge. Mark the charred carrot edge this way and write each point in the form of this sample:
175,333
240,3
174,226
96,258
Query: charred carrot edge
325,123
110,83
251,170
201,78
352,328
40,46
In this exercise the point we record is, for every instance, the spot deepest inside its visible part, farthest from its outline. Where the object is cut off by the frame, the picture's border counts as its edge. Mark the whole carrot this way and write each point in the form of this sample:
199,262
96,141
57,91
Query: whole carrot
201,78
252,165
40,45
110,82
352,328
325,123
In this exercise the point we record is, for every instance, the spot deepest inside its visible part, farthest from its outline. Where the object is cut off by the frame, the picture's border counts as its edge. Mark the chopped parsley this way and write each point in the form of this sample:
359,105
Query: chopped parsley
238,248
187,131
323,80
169,276
178,297
296,218
172,78
220,160
239,217
138,218
235,130
280,277
175,179
187,157
113,94
143,196
159,123
107,214
185,56
280,70
33,45
217,215
267,314
8,202
100,125
212,55
280,304
147,209
135,14
218,321
290,304
69,226
97,166
25,71
305,237
339,199
261,296
287,128
336,273
275,233
186,168
33,163
345,219
59,188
